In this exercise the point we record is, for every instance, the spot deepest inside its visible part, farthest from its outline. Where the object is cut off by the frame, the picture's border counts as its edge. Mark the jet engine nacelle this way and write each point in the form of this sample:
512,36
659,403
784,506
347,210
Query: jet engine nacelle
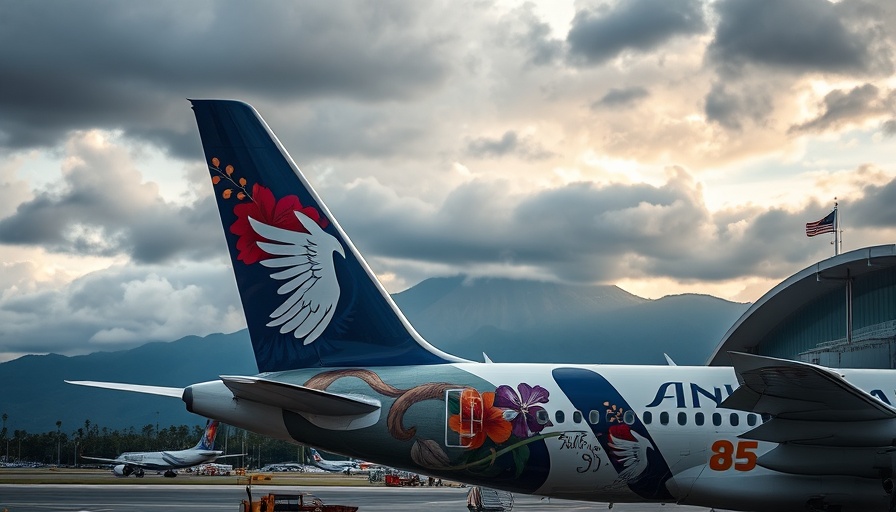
123,470
214,400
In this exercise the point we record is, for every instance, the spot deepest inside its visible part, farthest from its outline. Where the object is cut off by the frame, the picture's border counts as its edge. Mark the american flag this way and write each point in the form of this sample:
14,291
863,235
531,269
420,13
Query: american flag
825,225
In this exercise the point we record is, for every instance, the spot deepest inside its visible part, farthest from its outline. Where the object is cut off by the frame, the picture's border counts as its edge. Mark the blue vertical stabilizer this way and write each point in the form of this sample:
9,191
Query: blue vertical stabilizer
310,299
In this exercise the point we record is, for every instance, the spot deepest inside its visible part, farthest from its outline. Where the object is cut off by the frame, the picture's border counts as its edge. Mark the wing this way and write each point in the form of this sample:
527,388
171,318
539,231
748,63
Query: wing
632,454
101,459
793,390
231,455
116,462
306,260
823,424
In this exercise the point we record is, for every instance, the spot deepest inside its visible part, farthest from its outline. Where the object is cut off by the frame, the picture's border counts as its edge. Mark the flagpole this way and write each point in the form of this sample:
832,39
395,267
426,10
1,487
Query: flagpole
836,229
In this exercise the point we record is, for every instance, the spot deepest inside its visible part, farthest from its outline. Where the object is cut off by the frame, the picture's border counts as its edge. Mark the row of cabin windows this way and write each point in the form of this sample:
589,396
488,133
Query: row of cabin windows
734,418
628,417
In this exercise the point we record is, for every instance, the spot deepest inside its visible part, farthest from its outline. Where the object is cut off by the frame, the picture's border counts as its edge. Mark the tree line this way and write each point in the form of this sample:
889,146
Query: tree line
66,448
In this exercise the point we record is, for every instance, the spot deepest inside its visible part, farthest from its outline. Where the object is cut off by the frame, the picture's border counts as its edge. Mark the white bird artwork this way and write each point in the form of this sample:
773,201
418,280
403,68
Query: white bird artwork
632,454
308,269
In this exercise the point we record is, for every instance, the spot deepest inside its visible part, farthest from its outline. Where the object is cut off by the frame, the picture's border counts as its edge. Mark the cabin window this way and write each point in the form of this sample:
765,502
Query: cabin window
594,417
559,416
698,418
542,417
751,419
664,418
735,419
647,417
716,419
577,416
682,418
629,417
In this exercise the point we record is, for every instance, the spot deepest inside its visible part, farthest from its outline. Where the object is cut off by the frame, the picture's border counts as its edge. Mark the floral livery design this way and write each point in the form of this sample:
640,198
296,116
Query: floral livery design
286,235
488,449
501,423
521,409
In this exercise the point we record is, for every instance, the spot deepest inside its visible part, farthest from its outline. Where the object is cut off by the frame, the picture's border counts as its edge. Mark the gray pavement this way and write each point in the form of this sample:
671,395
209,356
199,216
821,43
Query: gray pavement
208,498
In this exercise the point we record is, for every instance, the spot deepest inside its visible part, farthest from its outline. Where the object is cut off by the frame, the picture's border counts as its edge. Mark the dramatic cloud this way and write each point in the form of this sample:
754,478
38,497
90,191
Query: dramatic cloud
797,35
102,207
889,127
584,231
731,109
673,146
621,97
507,144
109,64
854,106
878,207
120,308
638,25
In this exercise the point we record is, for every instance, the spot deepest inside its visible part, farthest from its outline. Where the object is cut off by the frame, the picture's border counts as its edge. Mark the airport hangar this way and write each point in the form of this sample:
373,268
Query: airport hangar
840,313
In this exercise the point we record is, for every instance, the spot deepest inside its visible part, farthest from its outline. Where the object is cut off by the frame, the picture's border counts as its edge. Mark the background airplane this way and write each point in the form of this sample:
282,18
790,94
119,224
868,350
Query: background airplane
334,465
342,369
168,461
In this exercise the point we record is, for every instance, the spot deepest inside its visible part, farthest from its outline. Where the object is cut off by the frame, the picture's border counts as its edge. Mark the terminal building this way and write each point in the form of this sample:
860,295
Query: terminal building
840,313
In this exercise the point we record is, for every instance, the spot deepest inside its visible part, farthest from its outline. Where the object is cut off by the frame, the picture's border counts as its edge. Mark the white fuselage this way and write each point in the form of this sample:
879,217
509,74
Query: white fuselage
667,414
167,460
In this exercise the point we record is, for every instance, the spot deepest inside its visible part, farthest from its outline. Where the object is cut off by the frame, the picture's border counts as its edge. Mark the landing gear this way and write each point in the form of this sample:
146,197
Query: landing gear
138,473
170,474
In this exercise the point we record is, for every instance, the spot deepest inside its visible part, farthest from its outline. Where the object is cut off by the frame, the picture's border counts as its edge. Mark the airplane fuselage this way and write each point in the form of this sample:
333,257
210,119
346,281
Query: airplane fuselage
169,460
592,432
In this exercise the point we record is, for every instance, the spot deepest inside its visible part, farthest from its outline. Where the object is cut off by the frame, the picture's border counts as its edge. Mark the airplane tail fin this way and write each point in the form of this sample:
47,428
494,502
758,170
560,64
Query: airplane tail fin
309,297
207,441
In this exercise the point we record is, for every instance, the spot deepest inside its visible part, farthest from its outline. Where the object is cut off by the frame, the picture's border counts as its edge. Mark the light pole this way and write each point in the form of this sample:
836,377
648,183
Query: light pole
58,447
5,437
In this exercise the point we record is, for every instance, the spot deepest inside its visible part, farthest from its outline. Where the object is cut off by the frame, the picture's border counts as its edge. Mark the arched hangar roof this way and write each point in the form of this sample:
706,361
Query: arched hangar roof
795,292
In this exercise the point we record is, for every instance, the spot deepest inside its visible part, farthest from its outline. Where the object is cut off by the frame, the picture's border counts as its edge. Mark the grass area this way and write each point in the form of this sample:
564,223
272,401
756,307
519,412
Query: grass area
101,476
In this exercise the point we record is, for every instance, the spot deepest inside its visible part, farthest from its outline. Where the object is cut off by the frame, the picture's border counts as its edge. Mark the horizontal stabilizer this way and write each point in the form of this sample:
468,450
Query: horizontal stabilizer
294,397
137,388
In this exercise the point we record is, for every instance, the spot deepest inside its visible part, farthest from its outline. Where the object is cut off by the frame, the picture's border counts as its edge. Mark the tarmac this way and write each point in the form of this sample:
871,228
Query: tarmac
99,491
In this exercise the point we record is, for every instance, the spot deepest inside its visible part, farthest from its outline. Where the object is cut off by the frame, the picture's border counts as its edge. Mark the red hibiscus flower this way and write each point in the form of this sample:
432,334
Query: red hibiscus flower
265,208
487,420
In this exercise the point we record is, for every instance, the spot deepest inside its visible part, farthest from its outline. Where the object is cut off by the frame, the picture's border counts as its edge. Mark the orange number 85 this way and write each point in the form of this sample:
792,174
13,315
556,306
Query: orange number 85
724,455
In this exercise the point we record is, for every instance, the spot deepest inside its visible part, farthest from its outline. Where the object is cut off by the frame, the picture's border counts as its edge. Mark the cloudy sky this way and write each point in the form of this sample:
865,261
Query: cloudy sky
665,146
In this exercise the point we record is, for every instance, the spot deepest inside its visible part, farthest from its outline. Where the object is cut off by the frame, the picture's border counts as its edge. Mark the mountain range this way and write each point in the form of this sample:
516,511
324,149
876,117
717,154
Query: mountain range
508,320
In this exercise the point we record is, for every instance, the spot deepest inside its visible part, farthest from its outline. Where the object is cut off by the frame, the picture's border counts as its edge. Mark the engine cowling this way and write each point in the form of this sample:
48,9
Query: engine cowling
122,470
